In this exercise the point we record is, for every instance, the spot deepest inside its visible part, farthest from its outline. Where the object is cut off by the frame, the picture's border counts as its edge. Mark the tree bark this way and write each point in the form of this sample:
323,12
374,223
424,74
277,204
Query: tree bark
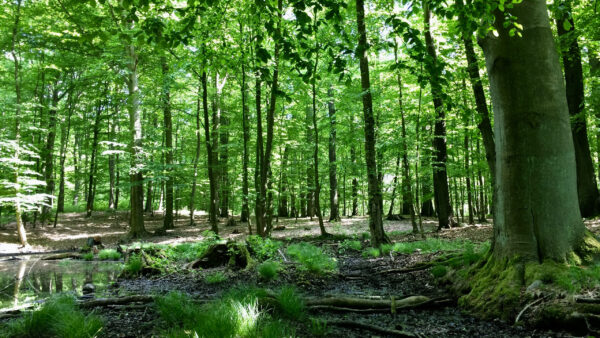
213,203
533,170
594,61
91,182
334,214
64,140
354,182
49,154
246,138
192,206
282,209
587,189
136,198
168,130
378,235
316,142
440,176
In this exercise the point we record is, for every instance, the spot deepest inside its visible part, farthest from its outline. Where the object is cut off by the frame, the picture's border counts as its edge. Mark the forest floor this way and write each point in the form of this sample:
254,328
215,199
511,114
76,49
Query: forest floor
357,275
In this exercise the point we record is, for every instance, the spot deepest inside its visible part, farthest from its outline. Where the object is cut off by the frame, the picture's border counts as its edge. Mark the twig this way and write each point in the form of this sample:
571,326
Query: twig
527,307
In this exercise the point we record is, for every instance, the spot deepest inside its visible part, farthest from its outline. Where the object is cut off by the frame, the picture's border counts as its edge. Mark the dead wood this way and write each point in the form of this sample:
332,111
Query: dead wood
374,328
361,303
63,255
116,301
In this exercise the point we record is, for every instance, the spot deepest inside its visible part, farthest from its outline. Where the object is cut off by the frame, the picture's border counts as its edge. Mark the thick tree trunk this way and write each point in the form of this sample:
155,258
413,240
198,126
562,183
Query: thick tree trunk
378,235
168,130
136,197
334,214
440,176
533,170
571,55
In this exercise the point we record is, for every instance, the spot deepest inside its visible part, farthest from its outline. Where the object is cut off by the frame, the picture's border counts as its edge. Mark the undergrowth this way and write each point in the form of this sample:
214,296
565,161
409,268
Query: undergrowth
109,255
269,270
58,317
312,258
216,277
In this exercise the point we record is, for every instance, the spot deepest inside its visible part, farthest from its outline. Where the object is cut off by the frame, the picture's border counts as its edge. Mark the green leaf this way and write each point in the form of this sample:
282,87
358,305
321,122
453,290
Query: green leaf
567,25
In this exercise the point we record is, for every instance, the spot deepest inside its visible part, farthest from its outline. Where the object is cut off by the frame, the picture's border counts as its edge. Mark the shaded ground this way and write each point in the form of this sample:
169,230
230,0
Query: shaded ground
358,276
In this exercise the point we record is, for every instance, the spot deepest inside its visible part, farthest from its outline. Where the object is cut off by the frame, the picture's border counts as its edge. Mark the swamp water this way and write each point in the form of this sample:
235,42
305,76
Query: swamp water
26,281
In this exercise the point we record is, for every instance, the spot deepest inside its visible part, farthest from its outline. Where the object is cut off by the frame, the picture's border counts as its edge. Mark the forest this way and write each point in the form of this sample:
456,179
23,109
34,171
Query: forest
299,168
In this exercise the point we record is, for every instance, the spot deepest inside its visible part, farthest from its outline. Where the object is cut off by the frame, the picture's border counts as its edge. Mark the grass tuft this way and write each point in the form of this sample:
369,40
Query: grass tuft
134,265
290,303
269,270
349,245
109,255
88,256
58,317
371,253
312,258
215,277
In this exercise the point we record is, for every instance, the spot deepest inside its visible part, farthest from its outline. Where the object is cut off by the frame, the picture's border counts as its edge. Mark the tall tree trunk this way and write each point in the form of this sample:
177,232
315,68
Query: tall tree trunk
282,209
91,182
213,203
15,41
316,140
136,197
533,170
468,174
334,215
481,204
259,204
49,154
587,189
192,206
215,128
223,165
64,140
310,170
168,130
594,60
354,182
378,235
440,176
111,161
246,155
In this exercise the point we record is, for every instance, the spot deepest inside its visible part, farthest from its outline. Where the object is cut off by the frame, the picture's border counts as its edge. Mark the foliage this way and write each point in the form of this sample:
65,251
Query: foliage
109,255
431,245
215,277
88,256
312,258
290,303
58,317
269,270
439,271
318,327
263,248
349,245
371,252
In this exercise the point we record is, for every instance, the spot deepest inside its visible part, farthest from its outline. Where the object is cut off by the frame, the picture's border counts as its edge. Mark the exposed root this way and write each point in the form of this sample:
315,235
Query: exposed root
374,328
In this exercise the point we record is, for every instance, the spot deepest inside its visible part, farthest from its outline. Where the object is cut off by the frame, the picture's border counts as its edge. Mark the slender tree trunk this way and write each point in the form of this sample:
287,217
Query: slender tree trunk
587,190
223,164
17,155
111,161
49,155
282,210
378,235
334,215
310,170
91,181
594,61
213,203
215,128
64,140
136,222
316,141
246,155
468,174
354,182
394,188
192,206
440,176
168,130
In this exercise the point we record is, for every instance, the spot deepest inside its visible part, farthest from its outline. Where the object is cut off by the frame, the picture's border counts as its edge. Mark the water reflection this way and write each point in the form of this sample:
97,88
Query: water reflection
25,281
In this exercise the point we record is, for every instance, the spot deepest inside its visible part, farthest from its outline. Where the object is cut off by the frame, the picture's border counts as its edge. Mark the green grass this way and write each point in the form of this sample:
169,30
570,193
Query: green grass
371,253
439,271
263,248
312,258
88,256
349,245
318,327
58,317
134,265
215,277
290,303
269,270
430,245
237,314
109,255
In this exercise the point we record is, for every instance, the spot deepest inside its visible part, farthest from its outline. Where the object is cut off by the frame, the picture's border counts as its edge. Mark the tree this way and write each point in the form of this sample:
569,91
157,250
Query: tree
334,214
378,236
533,170
168,131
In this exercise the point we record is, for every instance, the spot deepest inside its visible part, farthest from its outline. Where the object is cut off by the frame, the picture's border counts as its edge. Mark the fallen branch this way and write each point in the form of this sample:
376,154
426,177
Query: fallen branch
61,256
584,300
116,301
527,307
374,328
361,303
35,253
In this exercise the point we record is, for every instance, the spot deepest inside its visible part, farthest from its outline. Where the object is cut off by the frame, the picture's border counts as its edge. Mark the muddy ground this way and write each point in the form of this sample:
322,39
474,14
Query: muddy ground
357,275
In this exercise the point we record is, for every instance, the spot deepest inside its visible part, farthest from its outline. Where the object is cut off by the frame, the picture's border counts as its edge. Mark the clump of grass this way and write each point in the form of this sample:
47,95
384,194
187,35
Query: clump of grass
215,277
109,255
439,271
386,249
430,245
88,256
312,258
134,265
235,315
318,327
371,253
269,270
58,317
290,303
349,245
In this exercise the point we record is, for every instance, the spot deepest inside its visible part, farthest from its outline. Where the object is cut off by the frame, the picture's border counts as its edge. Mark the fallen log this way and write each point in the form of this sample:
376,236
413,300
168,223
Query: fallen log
62,255
374,328
116,301
361,303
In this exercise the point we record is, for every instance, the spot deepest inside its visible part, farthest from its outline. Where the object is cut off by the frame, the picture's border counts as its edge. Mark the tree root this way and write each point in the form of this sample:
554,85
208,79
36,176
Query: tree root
374,328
